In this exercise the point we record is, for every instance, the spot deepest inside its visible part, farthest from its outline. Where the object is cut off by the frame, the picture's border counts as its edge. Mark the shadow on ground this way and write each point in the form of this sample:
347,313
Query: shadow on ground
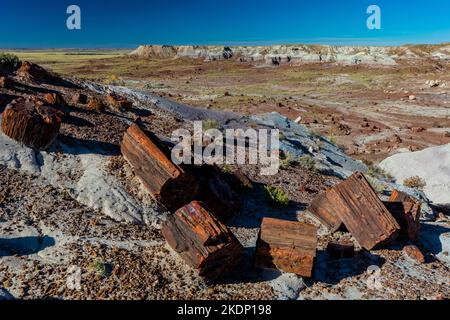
23,246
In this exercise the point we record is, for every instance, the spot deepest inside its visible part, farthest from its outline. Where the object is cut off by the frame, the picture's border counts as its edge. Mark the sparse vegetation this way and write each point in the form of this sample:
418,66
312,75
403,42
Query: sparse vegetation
277,195
377,172
286,160
210,124
307,162
377,186
9,60
99,267
415,182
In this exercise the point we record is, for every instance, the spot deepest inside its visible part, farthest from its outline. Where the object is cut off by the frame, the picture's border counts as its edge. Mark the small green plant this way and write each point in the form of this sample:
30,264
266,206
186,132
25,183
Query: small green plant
210,124
377,172
415,182
332,139
277,195
10,61
99,267
307,162
378,187
286,160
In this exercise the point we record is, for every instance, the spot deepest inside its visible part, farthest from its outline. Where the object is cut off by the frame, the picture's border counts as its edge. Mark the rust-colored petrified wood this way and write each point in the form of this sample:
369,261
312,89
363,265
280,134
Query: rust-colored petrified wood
167,182
323,210
406,210
202,240
31,123
356,204
286,245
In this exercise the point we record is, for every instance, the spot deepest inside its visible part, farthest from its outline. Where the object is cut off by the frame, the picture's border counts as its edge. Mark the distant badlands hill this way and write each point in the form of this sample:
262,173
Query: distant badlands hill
280,54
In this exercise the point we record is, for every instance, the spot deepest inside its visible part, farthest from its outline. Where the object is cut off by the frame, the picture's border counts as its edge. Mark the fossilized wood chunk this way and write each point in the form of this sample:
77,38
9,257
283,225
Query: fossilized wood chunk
356,204
31,123
54,99
79,98
202,240
323,210
96,105
32,71
167,182
286,245
406,210
118,102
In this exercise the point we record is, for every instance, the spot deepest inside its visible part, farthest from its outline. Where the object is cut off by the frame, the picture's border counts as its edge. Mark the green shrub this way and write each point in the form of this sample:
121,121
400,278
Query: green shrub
286,160
9,60
307,162
210,124
277,195
99,267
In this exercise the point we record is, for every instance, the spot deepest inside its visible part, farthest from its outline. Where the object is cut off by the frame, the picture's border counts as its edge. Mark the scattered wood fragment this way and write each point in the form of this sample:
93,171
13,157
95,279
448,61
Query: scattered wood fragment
5,82
118,102
356,204
79,98
289,246
31,123
95,104
168,183
406,210
413,252
54,99
202,241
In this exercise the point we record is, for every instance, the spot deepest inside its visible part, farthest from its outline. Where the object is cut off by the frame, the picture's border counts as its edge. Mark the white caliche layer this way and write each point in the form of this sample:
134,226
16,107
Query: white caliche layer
80,171
431,164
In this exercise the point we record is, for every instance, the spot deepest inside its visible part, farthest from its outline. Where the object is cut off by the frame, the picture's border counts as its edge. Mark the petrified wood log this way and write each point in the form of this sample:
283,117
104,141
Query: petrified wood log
202,240
323,210
356,204
406,210
286,245
32,71
168,183
31,123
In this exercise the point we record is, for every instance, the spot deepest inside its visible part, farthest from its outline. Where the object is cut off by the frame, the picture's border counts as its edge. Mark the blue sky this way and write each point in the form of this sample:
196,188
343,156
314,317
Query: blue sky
114,24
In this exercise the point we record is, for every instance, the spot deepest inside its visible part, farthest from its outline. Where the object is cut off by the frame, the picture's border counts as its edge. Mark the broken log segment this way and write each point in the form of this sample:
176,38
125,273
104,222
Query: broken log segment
202,241
289,246
355,203
31,123
323,210
406,210
169,184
